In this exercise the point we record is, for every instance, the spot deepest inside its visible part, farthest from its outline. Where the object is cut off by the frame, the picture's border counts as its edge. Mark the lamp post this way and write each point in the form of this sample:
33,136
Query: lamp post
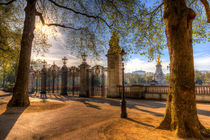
123,101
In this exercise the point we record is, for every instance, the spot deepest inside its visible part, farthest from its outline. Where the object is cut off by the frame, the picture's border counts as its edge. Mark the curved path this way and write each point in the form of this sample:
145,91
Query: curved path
92,118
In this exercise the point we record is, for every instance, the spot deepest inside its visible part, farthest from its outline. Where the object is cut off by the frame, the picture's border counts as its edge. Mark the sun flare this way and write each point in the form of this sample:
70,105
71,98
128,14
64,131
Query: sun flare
44,29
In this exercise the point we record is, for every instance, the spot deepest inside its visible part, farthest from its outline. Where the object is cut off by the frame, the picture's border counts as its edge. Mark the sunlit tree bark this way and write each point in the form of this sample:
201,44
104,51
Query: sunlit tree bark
20,93
181,111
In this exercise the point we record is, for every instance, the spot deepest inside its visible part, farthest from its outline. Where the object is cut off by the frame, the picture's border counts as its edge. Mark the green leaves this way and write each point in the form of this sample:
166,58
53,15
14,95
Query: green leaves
9,43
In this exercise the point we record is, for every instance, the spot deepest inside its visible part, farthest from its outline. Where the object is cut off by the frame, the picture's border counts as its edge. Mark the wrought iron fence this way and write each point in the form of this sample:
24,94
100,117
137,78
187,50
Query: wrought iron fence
67,79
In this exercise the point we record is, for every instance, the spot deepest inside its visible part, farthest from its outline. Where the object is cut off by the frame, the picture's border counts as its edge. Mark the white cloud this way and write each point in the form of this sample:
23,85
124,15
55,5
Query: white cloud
202,63
138,64
58,51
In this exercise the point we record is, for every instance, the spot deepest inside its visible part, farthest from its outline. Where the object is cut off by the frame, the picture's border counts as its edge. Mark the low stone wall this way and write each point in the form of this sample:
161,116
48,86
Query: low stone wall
203,98
161,92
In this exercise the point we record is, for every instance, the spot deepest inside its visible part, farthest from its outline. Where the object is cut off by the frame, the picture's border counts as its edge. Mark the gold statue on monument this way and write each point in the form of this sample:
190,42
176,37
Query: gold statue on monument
158,60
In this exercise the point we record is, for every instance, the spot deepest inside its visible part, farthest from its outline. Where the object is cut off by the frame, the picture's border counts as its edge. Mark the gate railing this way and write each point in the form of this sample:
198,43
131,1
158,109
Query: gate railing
67,80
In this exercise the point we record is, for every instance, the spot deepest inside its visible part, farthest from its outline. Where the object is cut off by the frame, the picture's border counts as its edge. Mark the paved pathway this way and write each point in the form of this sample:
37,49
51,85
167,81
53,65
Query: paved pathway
93,118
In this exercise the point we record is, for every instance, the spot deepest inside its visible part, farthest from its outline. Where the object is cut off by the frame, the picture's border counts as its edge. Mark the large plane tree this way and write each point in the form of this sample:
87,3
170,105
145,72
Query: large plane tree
181,111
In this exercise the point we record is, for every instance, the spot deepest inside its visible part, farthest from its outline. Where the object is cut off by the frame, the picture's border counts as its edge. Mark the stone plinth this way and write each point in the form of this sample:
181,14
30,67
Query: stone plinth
159,76
84,81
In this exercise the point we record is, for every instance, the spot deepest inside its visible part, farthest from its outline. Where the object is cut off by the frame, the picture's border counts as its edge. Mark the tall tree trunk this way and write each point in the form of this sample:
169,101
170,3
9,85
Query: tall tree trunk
20,93
4,78
181,111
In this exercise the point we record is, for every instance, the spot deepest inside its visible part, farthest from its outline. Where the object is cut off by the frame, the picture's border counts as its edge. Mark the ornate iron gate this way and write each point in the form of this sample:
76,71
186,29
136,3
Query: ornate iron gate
97,81
51,80
73,81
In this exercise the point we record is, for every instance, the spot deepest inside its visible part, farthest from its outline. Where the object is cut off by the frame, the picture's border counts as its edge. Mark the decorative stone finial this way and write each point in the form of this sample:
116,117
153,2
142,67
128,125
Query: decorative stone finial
44,63
64,60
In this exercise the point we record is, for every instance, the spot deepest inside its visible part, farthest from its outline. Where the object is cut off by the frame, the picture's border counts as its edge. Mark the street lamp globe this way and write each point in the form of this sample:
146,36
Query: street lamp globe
84,56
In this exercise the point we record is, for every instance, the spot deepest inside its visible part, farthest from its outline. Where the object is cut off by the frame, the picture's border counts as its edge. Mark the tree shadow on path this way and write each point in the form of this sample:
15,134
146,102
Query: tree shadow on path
8,119
204,112
111,102
4,95
91,105
141,123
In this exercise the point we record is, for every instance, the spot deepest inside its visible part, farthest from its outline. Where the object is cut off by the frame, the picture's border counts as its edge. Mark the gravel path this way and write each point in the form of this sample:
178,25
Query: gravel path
86,119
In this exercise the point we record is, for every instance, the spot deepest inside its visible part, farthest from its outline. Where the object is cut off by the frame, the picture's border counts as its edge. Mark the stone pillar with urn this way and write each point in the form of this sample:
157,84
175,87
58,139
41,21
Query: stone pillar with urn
84,81
114,67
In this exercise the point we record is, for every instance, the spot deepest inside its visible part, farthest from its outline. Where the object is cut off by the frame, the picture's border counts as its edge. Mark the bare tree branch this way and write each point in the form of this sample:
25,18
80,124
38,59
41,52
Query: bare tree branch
192,2
7,3
41,17
206,5
54,24
116,8
151,13
63,26
80,13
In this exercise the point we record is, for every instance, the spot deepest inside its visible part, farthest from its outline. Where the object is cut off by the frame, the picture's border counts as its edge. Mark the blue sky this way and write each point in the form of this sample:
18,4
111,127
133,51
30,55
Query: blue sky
201,54
136,62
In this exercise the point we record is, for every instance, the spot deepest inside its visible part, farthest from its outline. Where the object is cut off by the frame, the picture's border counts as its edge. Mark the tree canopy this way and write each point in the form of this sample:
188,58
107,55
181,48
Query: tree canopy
86,25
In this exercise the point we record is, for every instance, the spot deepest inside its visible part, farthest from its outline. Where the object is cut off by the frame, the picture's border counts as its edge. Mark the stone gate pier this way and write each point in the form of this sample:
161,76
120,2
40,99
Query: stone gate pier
114,67
84,82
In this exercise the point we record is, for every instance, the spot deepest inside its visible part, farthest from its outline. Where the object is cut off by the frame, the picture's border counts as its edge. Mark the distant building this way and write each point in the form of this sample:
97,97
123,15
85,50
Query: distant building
150,74
38,64
140,72
204,71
